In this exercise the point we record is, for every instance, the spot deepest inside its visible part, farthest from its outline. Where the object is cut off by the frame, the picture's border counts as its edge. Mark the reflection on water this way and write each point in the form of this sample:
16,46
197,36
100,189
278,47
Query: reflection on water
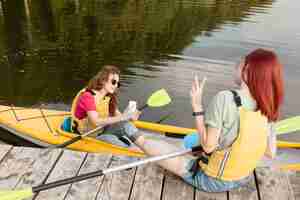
56,46
50,48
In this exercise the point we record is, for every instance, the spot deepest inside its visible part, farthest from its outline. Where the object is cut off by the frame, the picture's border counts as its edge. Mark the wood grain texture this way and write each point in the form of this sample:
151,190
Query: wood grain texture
88,189
294,178
67,166
200,195
274,185
176,189
249,191
4,149
15,164
148,183
117,185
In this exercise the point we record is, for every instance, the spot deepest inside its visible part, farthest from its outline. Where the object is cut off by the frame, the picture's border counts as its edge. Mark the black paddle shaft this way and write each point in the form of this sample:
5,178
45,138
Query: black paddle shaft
110,170
73,140
143,107
67,181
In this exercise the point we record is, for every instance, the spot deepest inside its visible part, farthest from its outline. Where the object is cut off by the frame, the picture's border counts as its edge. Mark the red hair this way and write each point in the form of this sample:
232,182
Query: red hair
262,72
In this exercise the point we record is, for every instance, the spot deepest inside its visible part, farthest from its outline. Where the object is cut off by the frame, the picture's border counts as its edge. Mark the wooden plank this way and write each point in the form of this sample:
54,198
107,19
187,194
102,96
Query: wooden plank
176,189
15,164
68,166
88,189
200,195
37,173
248,191
4,149
274,184
148,183
117,185
294,178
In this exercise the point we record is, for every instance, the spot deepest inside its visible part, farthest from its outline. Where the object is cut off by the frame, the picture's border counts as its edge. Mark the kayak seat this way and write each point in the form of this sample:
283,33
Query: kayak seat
66,125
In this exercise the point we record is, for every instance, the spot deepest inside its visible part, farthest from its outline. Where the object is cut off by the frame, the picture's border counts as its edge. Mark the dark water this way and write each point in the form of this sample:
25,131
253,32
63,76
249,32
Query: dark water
49,49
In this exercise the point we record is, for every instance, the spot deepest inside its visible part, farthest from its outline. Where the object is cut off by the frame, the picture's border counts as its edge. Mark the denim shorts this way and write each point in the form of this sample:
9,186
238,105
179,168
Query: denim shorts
206,183
116,134
202,181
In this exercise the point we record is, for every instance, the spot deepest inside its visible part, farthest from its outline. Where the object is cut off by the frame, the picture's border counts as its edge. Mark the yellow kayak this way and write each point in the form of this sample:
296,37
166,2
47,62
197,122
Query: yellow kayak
42,127
286,159
175,131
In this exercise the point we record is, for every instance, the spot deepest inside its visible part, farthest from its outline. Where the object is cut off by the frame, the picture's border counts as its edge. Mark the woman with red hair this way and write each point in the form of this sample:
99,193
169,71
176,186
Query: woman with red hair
235,131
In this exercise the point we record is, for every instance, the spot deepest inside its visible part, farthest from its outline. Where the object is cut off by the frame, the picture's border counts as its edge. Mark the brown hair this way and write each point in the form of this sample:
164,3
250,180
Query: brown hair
96,83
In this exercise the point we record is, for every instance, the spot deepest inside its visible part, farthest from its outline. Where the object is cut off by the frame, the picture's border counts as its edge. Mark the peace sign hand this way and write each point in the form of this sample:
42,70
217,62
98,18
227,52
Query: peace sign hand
196,94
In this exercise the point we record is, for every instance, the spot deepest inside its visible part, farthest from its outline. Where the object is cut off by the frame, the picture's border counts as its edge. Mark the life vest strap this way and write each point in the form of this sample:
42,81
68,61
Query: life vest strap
74,123
75,127
237,98
204,158
91,91
195,167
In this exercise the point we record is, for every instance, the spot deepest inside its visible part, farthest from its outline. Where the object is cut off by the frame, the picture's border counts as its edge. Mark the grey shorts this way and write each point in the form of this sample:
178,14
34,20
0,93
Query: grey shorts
114,134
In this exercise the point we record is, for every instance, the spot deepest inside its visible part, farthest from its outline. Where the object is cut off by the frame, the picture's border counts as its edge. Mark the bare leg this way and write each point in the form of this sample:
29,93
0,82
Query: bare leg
154,147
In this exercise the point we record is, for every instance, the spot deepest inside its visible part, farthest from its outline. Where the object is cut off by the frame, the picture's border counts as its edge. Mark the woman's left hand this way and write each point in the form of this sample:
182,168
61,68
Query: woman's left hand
196,94
136,115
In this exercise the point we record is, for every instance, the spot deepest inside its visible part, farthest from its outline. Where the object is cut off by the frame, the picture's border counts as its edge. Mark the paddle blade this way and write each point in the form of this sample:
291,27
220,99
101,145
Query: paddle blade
288,125
159,98
16,194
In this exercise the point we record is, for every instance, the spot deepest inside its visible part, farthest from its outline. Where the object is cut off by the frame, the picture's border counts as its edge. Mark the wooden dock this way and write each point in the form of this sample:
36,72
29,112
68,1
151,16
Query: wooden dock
21,167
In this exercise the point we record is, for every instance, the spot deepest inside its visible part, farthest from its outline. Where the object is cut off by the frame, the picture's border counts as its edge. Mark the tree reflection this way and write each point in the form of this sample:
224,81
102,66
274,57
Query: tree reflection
72,39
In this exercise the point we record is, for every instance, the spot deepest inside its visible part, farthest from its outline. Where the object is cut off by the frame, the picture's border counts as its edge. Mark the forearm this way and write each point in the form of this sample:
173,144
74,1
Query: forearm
201,129
108,120
118,113
98,121
271,145
206,139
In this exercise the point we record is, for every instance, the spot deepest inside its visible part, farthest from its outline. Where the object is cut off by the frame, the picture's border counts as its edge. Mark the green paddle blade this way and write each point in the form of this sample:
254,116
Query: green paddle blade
159,98
16,194
288,125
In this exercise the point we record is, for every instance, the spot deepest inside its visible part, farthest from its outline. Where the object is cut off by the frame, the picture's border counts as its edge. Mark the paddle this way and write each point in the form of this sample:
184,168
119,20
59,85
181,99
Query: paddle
288,125
157,99
282,127
26,193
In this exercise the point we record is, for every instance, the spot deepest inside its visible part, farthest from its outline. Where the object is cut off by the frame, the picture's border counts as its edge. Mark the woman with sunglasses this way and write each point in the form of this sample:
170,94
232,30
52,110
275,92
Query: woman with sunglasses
235,131
96,105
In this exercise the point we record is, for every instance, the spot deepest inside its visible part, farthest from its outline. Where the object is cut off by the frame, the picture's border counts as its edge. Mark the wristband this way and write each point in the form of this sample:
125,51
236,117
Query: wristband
198,113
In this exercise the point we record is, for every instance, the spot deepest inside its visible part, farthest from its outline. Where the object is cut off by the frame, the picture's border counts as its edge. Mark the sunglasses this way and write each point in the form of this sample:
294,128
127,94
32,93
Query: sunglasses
114,82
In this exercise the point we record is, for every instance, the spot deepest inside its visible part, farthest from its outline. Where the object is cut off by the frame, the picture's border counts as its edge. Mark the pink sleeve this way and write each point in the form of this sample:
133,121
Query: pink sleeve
87,102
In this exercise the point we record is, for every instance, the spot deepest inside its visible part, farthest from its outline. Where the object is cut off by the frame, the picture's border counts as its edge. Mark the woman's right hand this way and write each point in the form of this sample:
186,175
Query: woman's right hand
196,94
126,116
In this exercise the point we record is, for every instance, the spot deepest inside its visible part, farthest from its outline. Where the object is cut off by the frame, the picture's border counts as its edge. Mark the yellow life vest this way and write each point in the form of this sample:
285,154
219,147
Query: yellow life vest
83,125
241,158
